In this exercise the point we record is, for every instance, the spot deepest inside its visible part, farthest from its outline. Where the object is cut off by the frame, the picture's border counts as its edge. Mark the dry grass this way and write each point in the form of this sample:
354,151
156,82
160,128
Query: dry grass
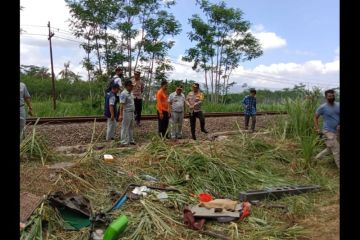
239,163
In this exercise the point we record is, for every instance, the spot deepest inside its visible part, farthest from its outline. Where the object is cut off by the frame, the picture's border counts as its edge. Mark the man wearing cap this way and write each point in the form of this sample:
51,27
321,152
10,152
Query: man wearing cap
24,98
126,114
111,111
177,104
162,107
249,103
119,76
137,93
193,101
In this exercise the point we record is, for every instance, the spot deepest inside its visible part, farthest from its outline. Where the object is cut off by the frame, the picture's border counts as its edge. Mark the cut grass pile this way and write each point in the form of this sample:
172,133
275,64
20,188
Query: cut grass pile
222,168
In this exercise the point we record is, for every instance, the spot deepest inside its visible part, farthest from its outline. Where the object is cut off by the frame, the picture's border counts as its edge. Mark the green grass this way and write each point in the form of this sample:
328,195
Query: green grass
86,108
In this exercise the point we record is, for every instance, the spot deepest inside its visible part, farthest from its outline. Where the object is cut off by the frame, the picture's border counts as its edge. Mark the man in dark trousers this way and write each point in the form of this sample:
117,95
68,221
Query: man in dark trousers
249,103
193,101
111,112
137,93
162,107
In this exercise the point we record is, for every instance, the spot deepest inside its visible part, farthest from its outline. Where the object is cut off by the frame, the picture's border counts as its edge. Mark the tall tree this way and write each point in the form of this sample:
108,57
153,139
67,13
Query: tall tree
222,41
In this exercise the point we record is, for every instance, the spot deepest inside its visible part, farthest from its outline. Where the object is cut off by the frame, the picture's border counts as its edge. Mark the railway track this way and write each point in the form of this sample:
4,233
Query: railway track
81,119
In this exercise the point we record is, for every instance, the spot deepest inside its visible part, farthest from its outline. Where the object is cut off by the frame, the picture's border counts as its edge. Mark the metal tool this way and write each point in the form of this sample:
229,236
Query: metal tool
276,193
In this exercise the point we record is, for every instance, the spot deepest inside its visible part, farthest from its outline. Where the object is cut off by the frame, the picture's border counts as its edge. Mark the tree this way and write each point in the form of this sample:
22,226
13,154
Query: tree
68,75
90,20
222,41
35,71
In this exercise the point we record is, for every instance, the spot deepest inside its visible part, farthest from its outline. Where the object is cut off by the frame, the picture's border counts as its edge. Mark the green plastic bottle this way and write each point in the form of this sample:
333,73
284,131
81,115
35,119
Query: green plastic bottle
116,228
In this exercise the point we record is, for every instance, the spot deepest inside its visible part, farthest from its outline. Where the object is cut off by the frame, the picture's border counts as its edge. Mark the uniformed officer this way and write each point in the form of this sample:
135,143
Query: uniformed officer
137,93
24,98
126,114
193,101
111,111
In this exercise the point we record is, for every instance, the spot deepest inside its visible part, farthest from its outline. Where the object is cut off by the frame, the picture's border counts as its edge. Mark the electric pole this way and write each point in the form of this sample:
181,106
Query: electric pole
51,34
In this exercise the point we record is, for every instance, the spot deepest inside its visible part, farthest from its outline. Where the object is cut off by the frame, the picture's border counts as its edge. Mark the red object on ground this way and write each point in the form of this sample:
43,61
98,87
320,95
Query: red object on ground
246,210
204,197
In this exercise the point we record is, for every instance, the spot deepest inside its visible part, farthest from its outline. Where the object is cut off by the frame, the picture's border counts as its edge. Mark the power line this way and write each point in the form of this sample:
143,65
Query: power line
69,39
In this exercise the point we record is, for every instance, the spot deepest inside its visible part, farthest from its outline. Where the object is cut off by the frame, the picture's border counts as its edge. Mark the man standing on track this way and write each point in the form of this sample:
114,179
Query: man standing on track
24,98
137,93
162,107
177,104
111,112
249,103
126,114
193,101
330,111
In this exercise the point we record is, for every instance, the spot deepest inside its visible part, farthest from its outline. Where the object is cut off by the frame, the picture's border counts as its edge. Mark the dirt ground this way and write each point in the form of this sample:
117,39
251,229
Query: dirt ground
81,133
321,224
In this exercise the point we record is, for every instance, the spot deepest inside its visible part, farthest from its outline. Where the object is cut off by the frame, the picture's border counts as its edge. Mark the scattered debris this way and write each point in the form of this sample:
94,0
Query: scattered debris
28,203
141,190
149,178
98,234
116,228
205,197
162,196
74,209
108,157
61,165
226,204
277,192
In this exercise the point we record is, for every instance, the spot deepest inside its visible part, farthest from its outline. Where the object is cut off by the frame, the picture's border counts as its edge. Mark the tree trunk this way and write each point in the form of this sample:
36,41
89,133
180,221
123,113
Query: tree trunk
151,73
141,44
106,52
98,53
206,82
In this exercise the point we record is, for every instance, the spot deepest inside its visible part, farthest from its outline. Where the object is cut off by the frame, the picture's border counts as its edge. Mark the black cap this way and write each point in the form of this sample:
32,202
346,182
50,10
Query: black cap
115,85
118,68
127,83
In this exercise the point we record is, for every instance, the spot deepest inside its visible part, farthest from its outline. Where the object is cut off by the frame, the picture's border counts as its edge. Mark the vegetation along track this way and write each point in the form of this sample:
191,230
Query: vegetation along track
78,119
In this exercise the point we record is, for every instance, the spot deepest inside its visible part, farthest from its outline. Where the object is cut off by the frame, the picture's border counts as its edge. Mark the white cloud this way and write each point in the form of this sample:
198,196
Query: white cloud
268,40
273,76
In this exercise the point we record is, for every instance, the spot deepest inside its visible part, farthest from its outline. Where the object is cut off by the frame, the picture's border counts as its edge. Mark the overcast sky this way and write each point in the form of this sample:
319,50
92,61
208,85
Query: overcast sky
300,40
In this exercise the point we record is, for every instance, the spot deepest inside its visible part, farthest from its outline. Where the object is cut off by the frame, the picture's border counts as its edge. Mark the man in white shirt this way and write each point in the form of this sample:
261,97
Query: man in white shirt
176,108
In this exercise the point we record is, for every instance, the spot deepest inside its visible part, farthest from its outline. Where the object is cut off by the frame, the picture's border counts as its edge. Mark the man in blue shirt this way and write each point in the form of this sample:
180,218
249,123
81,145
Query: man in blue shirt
110,111
330,111
249,103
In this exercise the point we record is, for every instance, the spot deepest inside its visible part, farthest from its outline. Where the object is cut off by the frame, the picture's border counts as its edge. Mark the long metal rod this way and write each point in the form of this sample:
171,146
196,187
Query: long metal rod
79,119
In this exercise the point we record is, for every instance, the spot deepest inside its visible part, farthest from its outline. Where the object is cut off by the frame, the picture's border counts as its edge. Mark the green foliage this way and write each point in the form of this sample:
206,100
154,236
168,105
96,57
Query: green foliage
222,42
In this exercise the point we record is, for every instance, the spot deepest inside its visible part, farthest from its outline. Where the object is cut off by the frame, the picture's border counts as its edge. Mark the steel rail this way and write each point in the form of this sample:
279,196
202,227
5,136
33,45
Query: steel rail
82,119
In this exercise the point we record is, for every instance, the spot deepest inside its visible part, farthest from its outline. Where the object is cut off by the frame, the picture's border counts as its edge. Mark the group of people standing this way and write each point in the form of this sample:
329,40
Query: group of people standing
170,108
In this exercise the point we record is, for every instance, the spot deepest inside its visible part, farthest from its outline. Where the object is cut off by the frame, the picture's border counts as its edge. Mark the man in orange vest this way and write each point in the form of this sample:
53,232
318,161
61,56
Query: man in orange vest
162,107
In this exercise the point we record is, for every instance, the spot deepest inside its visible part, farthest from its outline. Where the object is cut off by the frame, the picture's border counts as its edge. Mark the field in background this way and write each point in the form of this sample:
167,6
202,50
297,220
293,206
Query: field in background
85,108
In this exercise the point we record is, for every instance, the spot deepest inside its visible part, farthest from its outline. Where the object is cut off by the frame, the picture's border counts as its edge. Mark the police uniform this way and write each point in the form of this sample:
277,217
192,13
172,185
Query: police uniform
23,94
127,126
196,99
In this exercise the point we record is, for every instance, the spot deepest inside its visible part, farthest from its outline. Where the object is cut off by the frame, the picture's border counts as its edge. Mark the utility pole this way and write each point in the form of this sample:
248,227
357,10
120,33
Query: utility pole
51,34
